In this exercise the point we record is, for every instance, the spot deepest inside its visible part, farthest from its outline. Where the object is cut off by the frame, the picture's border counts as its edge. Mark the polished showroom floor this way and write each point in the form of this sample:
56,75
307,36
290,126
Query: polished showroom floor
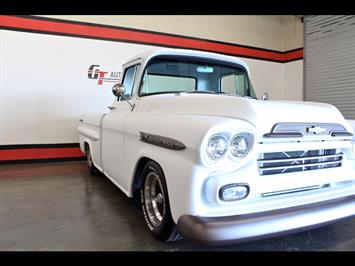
60,206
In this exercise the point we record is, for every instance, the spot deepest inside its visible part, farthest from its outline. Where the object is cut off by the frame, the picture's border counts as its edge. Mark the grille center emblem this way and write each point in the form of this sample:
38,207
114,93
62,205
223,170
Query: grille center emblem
316,130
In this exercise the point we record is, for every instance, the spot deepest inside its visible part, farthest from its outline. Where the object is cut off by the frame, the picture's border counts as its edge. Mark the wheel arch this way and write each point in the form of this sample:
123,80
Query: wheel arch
87,143
177,178
137,176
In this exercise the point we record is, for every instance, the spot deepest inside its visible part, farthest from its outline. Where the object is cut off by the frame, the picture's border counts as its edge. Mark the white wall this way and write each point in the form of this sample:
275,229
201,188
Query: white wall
44,85
281,33
266,77
45,90
292,32
293,81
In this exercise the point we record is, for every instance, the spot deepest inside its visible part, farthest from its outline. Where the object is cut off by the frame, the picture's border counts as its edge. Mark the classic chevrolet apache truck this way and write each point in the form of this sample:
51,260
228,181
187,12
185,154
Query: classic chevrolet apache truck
212,163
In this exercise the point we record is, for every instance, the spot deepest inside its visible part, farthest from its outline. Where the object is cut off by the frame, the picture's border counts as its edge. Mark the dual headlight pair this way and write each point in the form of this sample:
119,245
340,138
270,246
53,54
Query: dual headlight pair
238,145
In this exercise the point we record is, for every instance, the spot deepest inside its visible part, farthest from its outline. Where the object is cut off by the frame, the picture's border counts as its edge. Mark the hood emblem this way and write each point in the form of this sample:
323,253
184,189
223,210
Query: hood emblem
316,130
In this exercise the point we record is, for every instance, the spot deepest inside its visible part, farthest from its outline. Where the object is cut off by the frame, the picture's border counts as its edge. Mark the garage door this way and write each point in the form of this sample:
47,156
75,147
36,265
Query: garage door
329,61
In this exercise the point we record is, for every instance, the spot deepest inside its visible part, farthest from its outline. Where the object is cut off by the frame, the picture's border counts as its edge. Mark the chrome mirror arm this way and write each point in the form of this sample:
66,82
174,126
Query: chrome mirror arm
127,100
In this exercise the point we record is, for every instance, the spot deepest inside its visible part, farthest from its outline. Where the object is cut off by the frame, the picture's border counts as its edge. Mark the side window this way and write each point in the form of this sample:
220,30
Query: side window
228,84
128,79
235,84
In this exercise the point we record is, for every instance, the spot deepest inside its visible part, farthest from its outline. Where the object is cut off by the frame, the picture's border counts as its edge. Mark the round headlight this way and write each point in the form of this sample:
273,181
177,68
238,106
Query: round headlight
217,147
239,146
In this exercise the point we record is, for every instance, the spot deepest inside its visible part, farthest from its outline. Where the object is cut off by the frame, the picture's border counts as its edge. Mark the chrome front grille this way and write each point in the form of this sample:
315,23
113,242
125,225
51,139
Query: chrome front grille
296,161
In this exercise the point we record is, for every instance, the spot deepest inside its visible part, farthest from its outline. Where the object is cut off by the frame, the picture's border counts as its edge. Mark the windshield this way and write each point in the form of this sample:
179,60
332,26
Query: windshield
169,75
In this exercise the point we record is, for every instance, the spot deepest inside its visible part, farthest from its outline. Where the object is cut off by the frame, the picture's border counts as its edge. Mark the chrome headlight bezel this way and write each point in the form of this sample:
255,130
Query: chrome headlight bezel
248,139
228,160
213,155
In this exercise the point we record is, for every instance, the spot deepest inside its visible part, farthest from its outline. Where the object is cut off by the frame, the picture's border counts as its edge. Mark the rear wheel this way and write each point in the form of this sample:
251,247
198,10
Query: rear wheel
155,203
90,163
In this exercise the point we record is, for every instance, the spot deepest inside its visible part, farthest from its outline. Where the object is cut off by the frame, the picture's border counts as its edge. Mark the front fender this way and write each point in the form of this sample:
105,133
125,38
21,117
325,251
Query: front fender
184,171
182,174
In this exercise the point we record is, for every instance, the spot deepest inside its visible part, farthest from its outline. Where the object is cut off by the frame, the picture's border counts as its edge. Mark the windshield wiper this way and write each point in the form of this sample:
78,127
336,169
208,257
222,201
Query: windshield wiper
210,92
197,91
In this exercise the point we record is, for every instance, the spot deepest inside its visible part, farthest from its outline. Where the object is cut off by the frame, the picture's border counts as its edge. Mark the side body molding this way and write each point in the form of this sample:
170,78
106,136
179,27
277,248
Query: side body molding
162,141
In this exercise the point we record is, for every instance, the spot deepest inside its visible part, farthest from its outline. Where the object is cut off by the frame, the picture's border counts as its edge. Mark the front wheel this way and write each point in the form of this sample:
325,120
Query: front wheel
155,204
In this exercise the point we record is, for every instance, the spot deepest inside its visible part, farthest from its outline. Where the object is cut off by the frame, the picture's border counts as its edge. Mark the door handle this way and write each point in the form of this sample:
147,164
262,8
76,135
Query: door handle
111,107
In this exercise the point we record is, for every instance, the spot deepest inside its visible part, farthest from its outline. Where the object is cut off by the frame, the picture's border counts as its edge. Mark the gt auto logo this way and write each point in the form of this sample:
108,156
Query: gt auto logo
94,72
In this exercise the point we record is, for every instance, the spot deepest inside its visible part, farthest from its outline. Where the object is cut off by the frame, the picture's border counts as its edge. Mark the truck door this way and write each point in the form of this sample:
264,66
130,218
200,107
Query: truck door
113,130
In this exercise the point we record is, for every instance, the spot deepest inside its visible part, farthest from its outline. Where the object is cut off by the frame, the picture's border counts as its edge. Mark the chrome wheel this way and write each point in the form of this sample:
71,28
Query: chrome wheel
154,199
155,203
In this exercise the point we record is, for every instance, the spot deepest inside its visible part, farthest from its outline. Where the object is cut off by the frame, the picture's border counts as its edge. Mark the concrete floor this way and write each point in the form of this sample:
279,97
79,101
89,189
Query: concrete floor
60,206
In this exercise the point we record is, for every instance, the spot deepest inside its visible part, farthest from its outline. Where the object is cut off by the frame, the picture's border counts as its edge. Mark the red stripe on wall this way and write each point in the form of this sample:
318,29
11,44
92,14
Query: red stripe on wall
297,54
48,26
39,153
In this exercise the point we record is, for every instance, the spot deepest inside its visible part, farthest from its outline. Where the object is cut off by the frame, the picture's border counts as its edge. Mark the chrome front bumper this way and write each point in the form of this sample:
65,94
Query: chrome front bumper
241,228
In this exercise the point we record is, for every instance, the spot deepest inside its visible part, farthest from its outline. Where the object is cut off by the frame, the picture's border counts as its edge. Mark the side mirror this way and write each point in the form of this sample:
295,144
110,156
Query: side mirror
118,90
265,96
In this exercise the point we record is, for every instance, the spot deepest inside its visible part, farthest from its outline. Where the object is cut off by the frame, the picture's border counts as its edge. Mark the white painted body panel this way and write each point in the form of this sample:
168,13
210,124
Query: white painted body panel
191,119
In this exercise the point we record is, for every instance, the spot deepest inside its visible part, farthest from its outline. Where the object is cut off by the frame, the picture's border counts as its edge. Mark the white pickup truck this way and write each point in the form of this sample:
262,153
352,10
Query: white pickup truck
213,163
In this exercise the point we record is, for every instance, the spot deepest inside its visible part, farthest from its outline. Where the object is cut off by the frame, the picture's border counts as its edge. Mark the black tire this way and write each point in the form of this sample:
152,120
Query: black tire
93,170
157,216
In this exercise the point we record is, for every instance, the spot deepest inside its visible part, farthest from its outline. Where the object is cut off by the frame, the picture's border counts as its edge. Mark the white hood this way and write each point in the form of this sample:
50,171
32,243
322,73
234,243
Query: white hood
262,114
